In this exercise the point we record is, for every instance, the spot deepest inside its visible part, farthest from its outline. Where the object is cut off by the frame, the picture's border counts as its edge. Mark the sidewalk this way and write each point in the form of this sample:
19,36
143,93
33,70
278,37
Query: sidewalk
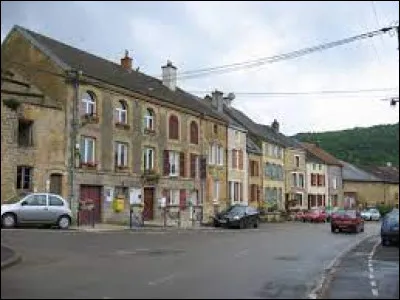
8,257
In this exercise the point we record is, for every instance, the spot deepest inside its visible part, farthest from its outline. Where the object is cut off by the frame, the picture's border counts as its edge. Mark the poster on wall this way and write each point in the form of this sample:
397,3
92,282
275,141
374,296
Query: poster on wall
108,194
135,196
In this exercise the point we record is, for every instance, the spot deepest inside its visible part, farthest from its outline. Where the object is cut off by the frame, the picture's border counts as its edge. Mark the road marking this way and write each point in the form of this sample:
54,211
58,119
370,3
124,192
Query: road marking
373,283
371,270
371,276
375,292
374,289
242,253
161,280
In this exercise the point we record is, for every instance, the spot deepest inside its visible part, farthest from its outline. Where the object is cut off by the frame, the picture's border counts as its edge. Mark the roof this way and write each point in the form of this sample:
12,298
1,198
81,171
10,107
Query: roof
384,173
352,173
68,57
321,154
252,147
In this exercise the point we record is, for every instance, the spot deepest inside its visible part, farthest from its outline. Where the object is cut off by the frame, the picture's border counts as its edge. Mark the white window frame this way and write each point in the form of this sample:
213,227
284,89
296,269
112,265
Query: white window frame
232,191
237,137
197,166
149,157
295,160
121,111
88,100
122,148
334,183
295,179
304,180
174,200
174,158
86,141
149,119
302,198
220,155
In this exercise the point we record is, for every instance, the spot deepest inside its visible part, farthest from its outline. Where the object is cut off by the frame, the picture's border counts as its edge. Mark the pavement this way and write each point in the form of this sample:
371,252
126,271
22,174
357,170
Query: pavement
8,257
369,271
277,260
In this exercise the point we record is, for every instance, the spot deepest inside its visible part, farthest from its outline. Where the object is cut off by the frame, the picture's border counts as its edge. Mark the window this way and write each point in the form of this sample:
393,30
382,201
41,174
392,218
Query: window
174,163
121,112
36,200
314,166
24,178
173,127
194,133
237,136
121,154
313,179
220,158
320,180
55,201
149,119
122,191
88,104
216,155
297,160
299,199
334,183
25,133
148,159
253,168
211,154
216,190
294,179
194,165
174,197
301,180
320,167
235,190
215,129
87,150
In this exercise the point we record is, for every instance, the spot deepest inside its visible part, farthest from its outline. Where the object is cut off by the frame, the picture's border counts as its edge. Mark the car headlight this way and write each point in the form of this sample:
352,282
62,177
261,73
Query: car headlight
236,217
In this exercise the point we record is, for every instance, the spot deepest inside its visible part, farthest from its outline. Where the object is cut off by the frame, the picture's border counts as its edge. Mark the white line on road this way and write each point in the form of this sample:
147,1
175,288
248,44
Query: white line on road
242,253
161,280
374,289
375,292
371,270
371,276
373,283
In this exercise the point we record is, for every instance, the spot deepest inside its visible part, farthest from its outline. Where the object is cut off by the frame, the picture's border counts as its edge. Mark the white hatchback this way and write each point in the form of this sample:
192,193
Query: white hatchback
36,209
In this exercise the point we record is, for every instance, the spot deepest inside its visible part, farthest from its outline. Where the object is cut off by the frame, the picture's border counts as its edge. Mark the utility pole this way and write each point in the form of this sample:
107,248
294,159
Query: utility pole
74,76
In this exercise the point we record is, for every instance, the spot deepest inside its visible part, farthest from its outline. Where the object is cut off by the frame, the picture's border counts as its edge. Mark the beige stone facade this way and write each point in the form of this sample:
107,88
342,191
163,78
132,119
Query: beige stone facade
295,179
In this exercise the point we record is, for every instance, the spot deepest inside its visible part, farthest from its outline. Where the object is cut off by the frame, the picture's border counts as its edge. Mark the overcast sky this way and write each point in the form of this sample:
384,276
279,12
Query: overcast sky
195,35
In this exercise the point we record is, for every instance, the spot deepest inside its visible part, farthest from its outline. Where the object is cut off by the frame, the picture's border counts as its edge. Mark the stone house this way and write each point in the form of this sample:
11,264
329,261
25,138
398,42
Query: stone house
324,178
370,186
32,148
255,174
135,137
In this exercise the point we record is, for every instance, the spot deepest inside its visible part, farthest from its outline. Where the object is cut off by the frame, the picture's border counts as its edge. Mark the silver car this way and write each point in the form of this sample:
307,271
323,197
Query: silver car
371,214
37,209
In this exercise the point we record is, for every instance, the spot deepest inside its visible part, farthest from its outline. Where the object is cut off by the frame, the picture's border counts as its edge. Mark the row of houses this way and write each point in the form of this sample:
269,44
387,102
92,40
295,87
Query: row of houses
78,125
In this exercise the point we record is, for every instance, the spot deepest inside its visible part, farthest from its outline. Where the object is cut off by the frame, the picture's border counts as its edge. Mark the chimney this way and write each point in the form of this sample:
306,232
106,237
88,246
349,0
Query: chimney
228,99
218,100
275,125
169,75
126,62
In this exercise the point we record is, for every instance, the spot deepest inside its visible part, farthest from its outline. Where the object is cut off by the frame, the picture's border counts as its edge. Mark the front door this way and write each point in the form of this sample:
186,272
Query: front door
55,184
148,203
93,194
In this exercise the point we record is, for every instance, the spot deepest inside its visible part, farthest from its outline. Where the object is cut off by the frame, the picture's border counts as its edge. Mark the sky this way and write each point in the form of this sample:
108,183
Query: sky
195,35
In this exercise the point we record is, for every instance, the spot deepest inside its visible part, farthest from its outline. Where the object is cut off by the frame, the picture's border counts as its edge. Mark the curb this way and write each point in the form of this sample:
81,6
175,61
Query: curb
16,258
321,285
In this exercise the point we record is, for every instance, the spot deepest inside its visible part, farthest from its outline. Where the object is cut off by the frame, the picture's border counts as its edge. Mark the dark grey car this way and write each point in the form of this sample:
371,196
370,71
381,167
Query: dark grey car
390,228
241,216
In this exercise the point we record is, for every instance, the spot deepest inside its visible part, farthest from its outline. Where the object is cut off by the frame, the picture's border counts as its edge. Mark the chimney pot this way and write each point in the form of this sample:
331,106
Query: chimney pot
126,62
218,100
169,75
275,125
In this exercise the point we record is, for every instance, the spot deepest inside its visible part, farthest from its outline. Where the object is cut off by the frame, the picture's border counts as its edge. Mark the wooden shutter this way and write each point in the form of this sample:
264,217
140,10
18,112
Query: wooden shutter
182,164
192,165
252,196
313,180
166,162
240,159
203,168
182,198
323,180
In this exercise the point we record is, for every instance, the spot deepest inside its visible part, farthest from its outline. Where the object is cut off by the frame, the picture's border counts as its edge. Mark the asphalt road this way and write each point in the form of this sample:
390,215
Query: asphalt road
370,271
274,261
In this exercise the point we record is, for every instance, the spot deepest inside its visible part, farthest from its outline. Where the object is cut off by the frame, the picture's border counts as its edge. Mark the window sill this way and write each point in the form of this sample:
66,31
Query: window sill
149,131
26,146
122,126
121,168
86,166
92,119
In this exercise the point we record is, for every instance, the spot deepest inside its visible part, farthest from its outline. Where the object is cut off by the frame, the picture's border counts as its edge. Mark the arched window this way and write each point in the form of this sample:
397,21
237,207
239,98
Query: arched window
173,127
194,133
121,112
88,104
149,119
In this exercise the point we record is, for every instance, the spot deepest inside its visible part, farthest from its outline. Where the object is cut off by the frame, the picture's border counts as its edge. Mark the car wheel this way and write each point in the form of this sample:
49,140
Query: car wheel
362,228
8,220
333,229
64,222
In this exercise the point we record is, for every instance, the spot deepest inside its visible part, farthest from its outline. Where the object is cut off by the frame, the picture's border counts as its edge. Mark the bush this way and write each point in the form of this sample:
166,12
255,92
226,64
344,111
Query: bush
384,209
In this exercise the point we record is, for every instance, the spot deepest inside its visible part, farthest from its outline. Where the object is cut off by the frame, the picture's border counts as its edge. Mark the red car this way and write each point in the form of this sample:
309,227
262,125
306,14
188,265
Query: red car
315,215
299,216
347,220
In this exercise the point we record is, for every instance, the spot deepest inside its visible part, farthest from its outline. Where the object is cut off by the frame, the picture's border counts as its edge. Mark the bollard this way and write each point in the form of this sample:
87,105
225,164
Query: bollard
179,217
93,217
193,215
130,218
165,216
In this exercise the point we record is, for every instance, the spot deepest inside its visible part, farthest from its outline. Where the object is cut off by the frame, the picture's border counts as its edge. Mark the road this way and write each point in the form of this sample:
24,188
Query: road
278,260
368,271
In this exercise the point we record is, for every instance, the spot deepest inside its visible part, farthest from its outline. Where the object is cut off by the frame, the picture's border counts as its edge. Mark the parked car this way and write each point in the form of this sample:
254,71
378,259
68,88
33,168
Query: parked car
315,215
36,209
371,214
299,216
241,216
347,220
330,212
390,228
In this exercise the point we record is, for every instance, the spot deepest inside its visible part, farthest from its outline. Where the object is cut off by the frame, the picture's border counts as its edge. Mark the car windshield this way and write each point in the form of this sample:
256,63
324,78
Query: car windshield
237,209
346,213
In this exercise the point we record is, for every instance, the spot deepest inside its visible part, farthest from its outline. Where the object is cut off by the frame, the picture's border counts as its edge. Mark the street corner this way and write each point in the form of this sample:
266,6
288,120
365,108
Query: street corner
9,257
369,270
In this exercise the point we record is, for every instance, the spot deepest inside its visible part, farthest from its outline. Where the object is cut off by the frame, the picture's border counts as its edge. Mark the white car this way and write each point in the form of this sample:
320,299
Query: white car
371,214
37,209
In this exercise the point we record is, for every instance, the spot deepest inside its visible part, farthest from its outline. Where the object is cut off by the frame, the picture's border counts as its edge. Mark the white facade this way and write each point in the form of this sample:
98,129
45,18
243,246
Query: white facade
237,173
318,169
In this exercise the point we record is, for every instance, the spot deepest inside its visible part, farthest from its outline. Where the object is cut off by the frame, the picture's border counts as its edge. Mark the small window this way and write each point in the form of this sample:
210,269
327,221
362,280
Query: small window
194,133
88,104
24,178
148,159
149,119
121,154
121,112
87,150
297,160
25,133
173,127
215,129
55,201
